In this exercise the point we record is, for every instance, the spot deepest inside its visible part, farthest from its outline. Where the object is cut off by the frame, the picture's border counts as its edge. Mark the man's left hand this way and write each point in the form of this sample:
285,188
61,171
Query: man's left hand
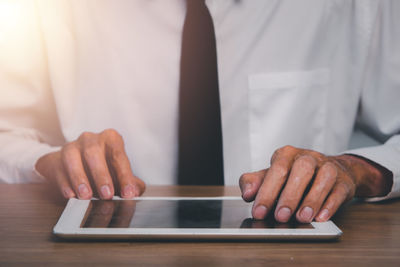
310,184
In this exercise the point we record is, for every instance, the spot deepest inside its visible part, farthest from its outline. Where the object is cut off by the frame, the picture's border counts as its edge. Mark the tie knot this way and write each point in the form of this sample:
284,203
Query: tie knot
195,4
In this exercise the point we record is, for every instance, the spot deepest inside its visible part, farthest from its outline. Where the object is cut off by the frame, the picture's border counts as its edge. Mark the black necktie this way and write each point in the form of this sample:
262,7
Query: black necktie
200,136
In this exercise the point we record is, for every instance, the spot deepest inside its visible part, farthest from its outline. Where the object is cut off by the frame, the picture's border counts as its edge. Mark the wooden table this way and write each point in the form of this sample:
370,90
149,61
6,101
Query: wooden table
29,212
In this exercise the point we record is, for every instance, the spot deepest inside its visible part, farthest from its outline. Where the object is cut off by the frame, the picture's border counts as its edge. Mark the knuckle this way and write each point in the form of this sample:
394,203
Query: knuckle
345,190
245,178
280,170
287,148
117,156
329,170
69,148
112,134
314,197
86,136
306,162
90,150
340,189
312,200
141,184
317,186
284,150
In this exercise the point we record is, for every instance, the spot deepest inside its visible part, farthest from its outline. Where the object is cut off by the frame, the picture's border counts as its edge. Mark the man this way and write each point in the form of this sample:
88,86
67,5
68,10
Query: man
91,91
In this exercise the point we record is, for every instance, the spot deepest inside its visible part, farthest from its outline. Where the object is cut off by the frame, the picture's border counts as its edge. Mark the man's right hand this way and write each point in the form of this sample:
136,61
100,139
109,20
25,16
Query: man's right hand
92,162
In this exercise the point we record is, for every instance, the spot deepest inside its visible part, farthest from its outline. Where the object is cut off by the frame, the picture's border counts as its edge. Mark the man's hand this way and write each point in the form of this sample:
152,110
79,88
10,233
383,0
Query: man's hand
310,184
92,162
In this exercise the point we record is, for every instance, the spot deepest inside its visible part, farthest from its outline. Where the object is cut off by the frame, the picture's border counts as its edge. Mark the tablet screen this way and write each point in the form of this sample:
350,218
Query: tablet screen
149,213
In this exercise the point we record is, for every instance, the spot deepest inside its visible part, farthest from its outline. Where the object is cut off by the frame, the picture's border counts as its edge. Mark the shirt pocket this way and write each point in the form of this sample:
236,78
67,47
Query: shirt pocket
286,108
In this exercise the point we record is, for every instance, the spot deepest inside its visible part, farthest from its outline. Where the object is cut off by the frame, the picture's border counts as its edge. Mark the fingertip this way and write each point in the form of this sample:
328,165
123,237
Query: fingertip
68,193
140,187
260,212
283,214
138,191
247,198
300,219
305,215
84,192
106,192
128,191
323,216
248,193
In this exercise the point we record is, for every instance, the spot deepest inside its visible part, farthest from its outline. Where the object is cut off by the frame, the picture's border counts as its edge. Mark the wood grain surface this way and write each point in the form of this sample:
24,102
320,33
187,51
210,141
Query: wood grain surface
28,214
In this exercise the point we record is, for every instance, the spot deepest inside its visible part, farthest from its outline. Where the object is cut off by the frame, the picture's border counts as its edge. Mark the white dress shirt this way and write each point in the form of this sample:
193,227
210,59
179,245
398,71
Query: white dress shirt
295,73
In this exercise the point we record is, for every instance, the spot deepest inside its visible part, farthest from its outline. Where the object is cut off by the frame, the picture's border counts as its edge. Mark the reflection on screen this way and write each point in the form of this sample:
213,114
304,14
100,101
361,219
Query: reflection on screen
177,214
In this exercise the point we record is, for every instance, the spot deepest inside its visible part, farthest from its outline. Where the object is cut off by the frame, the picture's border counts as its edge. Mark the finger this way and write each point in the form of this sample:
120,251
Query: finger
130,185
340,193
55,169
300,176
249,184
272,184
64,184
72,162
324,181
95,159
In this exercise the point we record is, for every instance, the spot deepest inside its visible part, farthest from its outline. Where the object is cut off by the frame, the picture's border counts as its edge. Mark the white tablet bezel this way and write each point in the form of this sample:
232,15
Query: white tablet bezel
68,226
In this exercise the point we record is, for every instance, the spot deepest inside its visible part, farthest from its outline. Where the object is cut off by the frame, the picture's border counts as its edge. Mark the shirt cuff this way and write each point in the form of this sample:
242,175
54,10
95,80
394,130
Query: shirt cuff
33,175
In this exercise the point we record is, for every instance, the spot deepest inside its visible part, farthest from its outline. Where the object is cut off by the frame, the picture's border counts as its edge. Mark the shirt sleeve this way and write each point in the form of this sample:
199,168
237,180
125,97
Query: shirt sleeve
379,113
29,127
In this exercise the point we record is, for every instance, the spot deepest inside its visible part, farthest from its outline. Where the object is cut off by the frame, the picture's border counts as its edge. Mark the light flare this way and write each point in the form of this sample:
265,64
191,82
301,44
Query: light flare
11,15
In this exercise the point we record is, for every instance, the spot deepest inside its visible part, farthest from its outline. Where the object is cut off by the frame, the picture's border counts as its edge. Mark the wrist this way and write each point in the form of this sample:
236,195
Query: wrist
371,179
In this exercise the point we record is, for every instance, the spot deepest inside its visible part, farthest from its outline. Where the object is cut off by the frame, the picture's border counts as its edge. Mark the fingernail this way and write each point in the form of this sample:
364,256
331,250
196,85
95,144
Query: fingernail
260,212
105,191
323,215
306,214
83,191
284,214
68,193
128,191
247,190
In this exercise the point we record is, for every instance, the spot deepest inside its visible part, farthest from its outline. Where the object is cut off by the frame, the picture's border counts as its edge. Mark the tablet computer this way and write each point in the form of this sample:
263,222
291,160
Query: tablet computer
172,218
